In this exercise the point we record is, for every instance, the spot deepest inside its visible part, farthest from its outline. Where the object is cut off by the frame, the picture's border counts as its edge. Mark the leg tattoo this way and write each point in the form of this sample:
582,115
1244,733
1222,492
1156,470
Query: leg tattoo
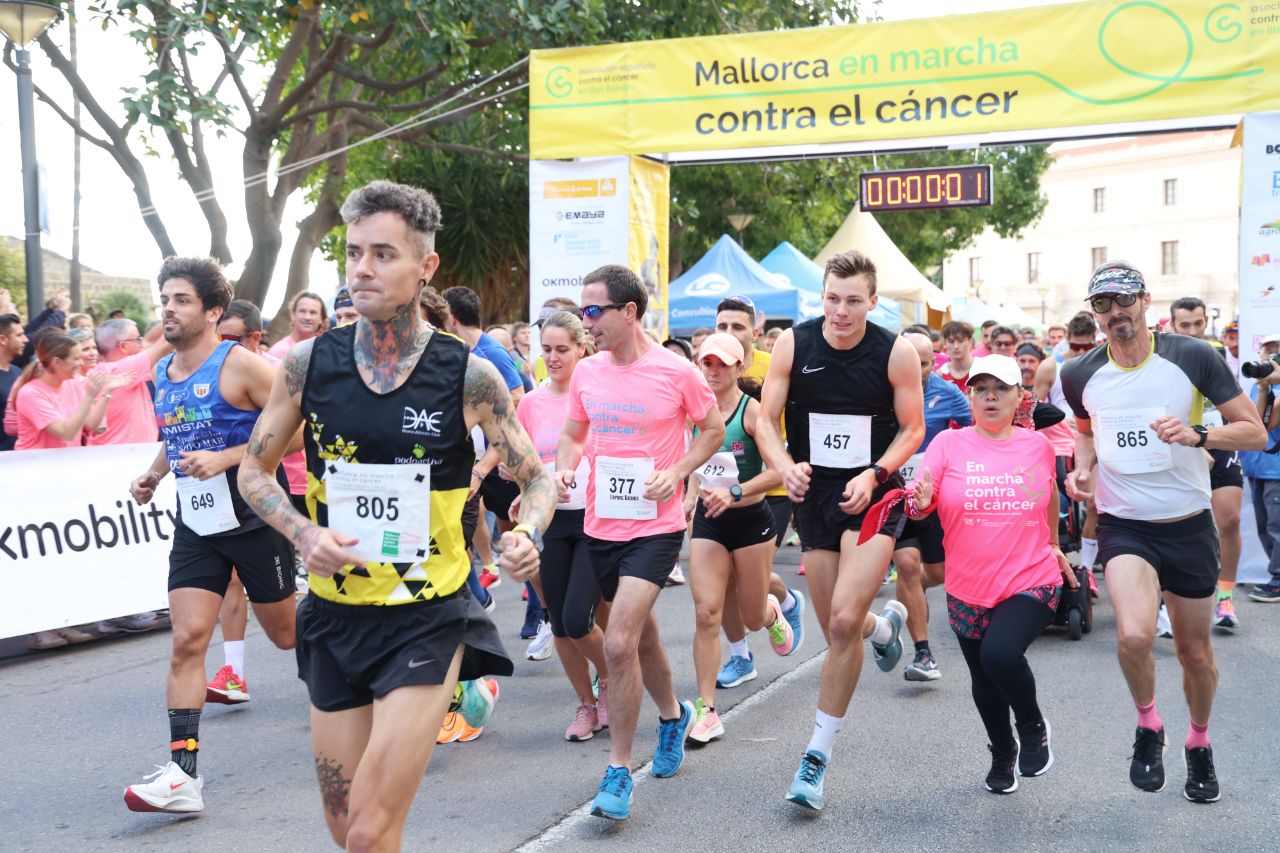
335,789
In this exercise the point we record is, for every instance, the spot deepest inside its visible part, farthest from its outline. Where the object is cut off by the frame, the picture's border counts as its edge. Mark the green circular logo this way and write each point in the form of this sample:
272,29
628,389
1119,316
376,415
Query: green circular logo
1220,25
558,85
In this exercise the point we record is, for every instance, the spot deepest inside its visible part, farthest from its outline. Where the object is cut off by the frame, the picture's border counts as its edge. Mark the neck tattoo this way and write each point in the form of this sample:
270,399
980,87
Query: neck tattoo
385,348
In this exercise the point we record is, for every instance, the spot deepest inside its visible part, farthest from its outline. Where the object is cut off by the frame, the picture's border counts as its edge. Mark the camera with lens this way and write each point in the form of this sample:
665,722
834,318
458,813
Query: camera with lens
1260,369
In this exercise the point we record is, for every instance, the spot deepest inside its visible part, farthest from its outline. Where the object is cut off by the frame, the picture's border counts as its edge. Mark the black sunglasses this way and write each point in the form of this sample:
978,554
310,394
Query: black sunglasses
593,312
1102,304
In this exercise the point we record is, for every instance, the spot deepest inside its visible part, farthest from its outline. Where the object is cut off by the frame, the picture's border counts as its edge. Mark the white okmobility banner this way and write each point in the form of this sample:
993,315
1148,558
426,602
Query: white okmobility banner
74,547
578,221
1259,232
1259,276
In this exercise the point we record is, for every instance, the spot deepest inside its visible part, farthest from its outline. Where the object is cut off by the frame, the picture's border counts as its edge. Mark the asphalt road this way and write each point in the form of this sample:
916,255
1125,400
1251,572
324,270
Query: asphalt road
77,725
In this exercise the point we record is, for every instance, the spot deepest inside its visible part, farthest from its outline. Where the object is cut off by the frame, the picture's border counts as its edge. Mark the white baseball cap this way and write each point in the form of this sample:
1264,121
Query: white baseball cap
1002,367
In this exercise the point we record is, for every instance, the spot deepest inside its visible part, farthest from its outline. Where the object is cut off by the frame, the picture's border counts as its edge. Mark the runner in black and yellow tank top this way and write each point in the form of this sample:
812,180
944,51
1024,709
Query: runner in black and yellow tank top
387,406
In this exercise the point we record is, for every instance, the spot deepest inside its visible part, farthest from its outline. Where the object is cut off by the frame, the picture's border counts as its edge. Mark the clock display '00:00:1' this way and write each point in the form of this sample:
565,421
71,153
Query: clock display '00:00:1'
926,189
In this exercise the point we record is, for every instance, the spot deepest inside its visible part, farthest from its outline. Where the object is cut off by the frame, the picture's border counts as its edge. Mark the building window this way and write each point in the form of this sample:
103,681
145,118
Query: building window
1033,267
1097,256
1169,257
1099,199
975,272
1170,192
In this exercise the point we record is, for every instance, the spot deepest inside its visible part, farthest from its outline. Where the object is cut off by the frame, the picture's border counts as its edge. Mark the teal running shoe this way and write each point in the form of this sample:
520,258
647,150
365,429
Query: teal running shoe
477,701
806,788
668,755
614,799
888,655
738,670
795,617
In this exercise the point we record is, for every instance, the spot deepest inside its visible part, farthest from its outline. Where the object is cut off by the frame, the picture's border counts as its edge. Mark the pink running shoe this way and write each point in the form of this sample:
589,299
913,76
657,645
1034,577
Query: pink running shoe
706,725
602,703
781,637
586,722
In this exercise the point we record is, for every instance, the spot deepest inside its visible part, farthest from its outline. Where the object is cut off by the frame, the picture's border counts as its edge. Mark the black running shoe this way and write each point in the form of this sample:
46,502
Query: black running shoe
1202,781
1146,772
1036,756
1003,778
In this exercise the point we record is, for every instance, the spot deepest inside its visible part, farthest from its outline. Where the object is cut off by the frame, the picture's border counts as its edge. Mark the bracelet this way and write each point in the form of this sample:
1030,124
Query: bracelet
477,474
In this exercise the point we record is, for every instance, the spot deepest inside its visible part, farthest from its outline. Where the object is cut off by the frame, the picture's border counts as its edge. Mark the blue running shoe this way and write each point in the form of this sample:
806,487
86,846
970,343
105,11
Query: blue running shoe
668,755
614,799
806,788
738,670
795,617
477,701
888,655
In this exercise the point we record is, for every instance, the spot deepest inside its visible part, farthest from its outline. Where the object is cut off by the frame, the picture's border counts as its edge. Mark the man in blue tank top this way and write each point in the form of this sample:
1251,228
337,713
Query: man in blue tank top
854,406
208,397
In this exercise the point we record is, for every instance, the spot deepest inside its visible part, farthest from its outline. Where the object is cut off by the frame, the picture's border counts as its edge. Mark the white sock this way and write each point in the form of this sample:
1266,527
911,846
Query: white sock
789,603
1088,552
883,632
740,648
825,728
233,655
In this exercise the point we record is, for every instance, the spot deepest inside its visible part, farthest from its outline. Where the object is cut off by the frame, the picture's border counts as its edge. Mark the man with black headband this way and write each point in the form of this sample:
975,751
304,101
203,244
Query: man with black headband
1139,406
344,311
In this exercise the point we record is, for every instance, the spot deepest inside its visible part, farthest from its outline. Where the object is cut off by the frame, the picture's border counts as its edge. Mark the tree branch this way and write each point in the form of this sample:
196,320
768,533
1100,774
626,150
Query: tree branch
302,30
422,79
230,67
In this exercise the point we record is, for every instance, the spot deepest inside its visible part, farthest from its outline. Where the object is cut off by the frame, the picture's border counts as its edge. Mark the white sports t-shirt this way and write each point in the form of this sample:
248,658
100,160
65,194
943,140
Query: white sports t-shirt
1139,476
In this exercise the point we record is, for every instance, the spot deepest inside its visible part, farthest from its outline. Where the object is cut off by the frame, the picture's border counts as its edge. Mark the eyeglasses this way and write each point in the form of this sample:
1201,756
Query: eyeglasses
593,312
1102,304
1085,347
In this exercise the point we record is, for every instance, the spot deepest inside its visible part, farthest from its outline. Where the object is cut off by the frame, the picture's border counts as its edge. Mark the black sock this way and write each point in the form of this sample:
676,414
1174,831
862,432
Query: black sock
184,729
923,646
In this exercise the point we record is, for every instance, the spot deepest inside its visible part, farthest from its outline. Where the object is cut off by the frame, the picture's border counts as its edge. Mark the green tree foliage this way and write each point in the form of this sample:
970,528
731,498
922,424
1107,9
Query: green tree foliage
13,278
130,303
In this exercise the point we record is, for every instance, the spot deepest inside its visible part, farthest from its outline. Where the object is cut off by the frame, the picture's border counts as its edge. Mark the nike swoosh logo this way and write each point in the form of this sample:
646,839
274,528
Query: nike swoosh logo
806,369
414,664
177,786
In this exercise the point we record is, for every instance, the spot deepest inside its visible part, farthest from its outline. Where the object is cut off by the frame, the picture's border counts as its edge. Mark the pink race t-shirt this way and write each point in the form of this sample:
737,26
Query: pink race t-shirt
131,416
294,464
637,411
542,415
38,405
993,500
281,348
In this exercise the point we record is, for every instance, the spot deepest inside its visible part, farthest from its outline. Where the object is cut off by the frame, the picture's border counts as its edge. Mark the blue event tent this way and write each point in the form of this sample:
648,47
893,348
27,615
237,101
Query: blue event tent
726,270
790,266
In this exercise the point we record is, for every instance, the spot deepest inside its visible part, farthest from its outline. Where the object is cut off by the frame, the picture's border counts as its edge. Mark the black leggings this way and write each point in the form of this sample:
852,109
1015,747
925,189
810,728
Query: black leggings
1002,678
568,577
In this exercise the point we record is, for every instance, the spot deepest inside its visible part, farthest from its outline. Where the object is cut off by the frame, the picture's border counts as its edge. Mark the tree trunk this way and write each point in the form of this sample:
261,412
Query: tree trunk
263,215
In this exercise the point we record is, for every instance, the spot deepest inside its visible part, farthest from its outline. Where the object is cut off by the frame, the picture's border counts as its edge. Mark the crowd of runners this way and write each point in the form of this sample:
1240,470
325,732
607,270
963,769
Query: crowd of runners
375,455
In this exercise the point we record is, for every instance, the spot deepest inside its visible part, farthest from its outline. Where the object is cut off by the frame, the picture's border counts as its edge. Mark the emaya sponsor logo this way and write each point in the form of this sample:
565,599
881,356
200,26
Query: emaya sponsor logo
710,284
420,422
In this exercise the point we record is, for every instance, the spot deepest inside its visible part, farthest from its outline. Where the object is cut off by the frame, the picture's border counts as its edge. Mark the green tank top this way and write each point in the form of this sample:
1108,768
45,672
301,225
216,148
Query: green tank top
743,447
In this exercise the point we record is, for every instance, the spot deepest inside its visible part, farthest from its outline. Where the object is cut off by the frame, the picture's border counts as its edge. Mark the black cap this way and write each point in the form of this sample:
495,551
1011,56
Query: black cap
342,299
1115,277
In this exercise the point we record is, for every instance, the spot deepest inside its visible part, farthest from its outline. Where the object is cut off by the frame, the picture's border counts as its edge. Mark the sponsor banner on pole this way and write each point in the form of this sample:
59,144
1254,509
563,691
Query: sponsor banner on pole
1259,232
647,237
577,222
74,547
1072,65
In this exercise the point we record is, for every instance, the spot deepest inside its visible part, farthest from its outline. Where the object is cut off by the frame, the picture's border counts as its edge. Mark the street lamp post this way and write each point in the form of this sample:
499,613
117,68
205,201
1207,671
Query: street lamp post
22,21
1044,296
739,222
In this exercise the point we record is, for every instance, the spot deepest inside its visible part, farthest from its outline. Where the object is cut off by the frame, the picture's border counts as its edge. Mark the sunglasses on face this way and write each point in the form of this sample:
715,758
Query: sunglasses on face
1082,347
1102,304
235,339
593,312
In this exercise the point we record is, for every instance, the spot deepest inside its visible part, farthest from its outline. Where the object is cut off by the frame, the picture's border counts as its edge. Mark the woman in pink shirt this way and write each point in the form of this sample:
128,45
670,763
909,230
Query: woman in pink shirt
52,405
993,486
568,581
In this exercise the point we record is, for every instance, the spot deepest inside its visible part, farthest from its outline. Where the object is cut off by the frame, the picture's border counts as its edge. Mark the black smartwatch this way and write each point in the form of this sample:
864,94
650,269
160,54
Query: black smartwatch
736,492
1203,432
882,474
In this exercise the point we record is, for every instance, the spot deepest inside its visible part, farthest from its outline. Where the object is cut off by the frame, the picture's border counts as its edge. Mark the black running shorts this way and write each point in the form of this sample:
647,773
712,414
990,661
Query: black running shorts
821,522
1183,553
781,507
349,655
649,558
498,494
736,527
924,535
1226,470
263,557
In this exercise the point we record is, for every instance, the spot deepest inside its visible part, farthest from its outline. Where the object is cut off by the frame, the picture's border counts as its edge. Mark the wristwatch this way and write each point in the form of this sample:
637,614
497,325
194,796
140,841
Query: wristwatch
882,474
532,532
736,491
1203,432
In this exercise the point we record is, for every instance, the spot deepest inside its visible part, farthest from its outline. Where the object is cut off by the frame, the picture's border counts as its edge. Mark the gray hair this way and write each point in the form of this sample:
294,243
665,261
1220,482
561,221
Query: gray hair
418,208
112,332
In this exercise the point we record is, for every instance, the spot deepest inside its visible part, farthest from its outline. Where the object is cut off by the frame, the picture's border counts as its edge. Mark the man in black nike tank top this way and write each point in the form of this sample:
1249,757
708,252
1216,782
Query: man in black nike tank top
854,408
388,406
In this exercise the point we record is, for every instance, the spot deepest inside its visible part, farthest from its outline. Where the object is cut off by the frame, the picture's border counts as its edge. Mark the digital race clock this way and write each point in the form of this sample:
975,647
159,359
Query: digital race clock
926,189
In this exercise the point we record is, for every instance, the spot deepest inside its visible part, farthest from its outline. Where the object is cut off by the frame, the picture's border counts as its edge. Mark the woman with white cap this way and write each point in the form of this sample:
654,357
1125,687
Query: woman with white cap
993,486
732,532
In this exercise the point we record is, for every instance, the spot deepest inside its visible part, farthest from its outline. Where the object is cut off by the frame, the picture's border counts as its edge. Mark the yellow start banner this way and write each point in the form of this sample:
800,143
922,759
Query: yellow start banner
1073,65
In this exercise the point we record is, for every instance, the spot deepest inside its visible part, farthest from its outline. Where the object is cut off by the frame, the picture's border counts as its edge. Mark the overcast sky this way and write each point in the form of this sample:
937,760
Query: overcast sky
113,238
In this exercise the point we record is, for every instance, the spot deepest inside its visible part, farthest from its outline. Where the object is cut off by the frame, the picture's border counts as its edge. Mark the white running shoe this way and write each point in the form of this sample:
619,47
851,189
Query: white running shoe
677,576
135,624
540,648
1164,628
169,789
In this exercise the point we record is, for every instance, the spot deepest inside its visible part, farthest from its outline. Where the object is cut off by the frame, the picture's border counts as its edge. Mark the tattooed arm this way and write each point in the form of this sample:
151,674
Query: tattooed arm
486,402
323,550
